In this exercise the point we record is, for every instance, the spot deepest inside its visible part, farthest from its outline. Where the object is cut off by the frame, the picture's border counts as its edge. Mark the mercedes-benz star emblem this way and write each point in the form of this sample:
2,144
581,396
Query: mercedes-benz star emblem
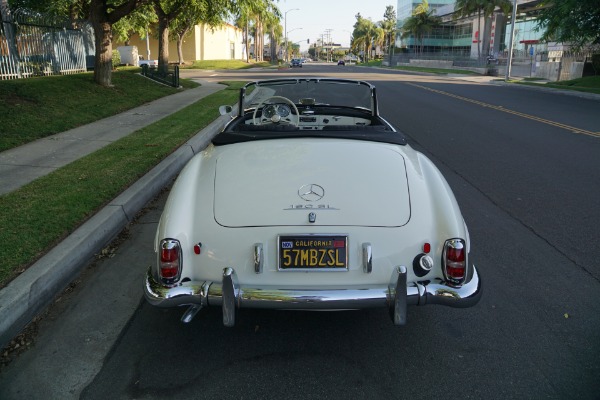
311,192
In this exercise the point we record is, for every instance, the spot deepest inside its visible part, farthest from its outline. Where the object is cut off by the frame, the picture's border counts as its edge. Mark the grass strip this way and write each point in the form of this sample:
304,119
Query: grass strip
226,64
588,84
40,214
35,108
439,71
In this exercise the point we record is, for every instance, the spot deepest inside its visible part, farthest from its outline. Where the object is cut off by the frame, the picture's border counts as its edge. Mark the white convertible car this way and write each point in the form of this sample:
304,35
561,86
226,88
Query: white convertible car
309,200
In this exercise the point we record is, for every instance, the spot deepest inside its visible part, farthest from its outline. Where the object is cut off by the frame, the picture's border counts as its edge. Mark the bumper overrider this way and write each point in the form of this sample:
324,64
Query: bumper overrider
228,294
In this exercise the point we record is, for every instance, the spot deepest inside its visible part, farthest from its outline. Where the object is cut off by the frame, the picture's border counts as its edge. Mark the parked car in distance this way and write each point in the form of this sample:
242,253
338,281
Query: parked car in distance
150,63
296,62
341,62
310,200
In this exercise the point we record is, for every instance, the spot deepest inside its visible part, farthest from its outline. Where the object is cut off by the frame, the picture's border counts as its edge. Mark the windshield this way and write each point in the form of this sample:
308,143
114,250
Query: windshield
311,91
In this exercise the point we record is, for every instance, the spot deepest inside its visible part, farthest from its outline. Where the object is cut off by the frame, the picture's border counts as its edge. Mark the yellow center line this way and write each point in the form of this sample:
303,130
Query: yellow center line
508,111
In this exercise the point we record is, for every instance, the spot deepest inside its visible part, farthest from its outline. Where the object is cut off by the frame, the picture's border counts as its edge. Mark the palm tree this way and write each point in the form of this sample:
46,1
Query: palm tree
275,35
255,13
262,12
366,35
242,21
389,27
421,22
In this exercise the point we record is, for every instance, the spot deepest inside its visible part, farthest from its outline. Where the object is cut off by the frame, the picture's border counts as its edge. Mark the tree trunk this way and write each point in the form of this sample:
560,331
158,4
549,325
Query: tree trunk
103,61
180,49
102,20
180,37
163,44
247,42
272,46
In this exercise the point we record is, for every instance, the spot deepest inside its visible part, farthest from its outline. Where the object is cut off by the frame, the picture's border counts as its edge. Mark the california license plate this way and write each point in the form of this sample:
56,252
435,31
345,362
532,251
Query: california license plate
313,252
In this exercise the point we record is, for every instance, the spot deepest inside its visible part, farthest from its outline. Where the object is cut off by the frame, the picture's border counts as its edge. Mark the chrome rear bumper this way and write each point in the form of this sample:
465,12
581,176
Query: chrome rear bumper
231,296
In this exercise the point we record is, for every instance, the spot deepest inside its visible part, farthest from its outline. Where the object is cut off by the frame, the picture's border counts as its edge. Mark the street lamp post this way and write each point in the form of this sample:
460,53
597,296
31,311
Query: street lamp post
286,45
286,32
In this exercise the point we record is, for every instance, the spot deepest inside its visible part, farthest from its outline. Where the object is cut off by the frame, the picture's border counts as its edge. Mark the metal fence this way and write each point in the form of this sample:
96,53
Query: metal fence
32,44
551,65
171,77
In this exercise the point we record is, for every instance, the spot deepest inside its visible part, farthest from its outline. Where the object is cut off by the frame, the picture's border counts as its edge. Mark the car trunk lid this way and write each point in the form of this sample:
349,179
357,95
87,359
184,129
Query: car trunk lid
280,182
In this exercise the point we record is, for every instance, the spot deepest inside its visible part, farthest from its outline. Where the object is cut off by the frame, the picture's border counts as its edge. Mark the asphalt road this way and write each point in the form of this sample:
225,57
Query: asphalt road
523,164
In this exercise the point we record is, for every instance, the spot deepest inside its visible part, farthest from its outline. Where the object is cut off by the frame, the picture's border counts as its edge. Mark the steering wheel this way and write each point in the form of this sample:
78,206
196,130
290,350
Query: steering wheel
275,119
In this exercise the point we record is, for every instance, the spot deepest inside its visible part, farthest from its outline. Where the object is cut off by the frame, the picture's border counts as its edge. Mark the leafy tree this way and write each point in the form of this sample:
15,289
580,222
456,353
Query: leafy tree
166,11
102,14
570,21
138,22
208,12
421,22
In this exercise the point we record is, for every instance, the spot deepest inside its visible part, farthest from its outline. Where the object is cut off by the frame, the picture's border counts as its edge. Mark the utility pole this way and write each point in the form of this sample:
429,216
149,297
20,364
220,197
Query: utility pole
512,38
328,33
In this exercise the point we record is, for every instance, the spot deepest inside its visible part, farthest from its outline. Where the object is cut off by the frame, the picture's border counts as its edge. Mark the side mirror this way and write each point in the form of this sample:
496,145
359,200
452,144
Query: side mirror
225,110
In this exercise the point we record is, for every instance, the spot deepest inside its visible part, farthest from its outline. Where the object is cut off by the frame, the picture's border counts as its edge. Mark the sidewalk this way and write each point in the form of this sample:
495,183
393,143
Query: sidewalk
34,289
21,165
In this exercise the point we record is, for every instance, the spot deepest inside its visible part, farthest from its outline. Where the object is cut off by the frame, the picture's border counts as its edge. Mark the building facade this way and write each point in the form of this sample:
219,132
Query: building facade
204,43
461,37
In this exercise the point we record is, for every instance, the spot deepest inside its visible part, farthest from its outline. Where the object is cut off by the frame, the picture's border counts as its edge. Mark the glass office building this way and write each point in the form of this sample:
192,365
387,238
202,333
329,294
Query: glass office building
451,38
460,37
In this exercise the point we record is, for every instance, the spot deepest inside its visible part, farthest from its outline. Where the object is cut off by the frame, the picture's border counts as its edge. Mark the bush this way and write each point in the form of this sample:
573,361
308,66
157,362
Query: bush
116,59
596,63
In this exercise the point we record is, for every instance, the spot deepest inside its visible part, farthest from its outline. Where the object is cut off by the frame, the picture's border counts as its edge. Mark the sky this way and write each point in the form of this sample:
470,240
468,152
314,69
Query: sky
315,17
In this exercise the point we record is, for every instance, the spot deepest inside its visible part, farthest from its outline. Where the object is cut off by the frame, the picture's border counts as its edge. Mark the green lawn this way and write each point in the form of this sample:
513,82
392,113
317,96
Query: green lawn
227,64
440,71
34,108
588,84
39,215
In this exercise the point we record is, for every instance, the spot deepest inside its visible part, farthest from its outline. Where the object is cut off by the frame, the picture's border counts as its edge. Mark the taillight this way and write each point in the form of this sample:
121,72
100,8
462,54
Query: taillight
169,260
455,260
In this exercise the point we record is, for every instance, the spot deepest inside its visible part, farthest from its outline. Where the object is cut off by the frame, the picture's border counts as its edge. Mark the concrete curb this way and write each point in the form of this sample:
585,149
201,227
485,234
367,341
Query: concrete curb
23,298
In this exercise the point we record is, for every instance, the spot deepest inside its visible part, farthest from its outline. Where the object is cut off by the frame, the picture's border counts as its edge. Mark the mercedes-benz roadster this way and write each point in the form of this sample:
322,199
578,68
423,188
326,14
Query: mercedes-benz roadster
309,200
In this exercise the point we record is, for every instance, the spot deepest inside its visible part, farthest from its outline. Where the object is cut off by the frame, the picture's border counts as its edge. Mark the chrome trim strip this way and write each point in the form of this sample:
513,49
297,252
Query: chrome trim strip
398,296
229,294
190,313
367,258
258,257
